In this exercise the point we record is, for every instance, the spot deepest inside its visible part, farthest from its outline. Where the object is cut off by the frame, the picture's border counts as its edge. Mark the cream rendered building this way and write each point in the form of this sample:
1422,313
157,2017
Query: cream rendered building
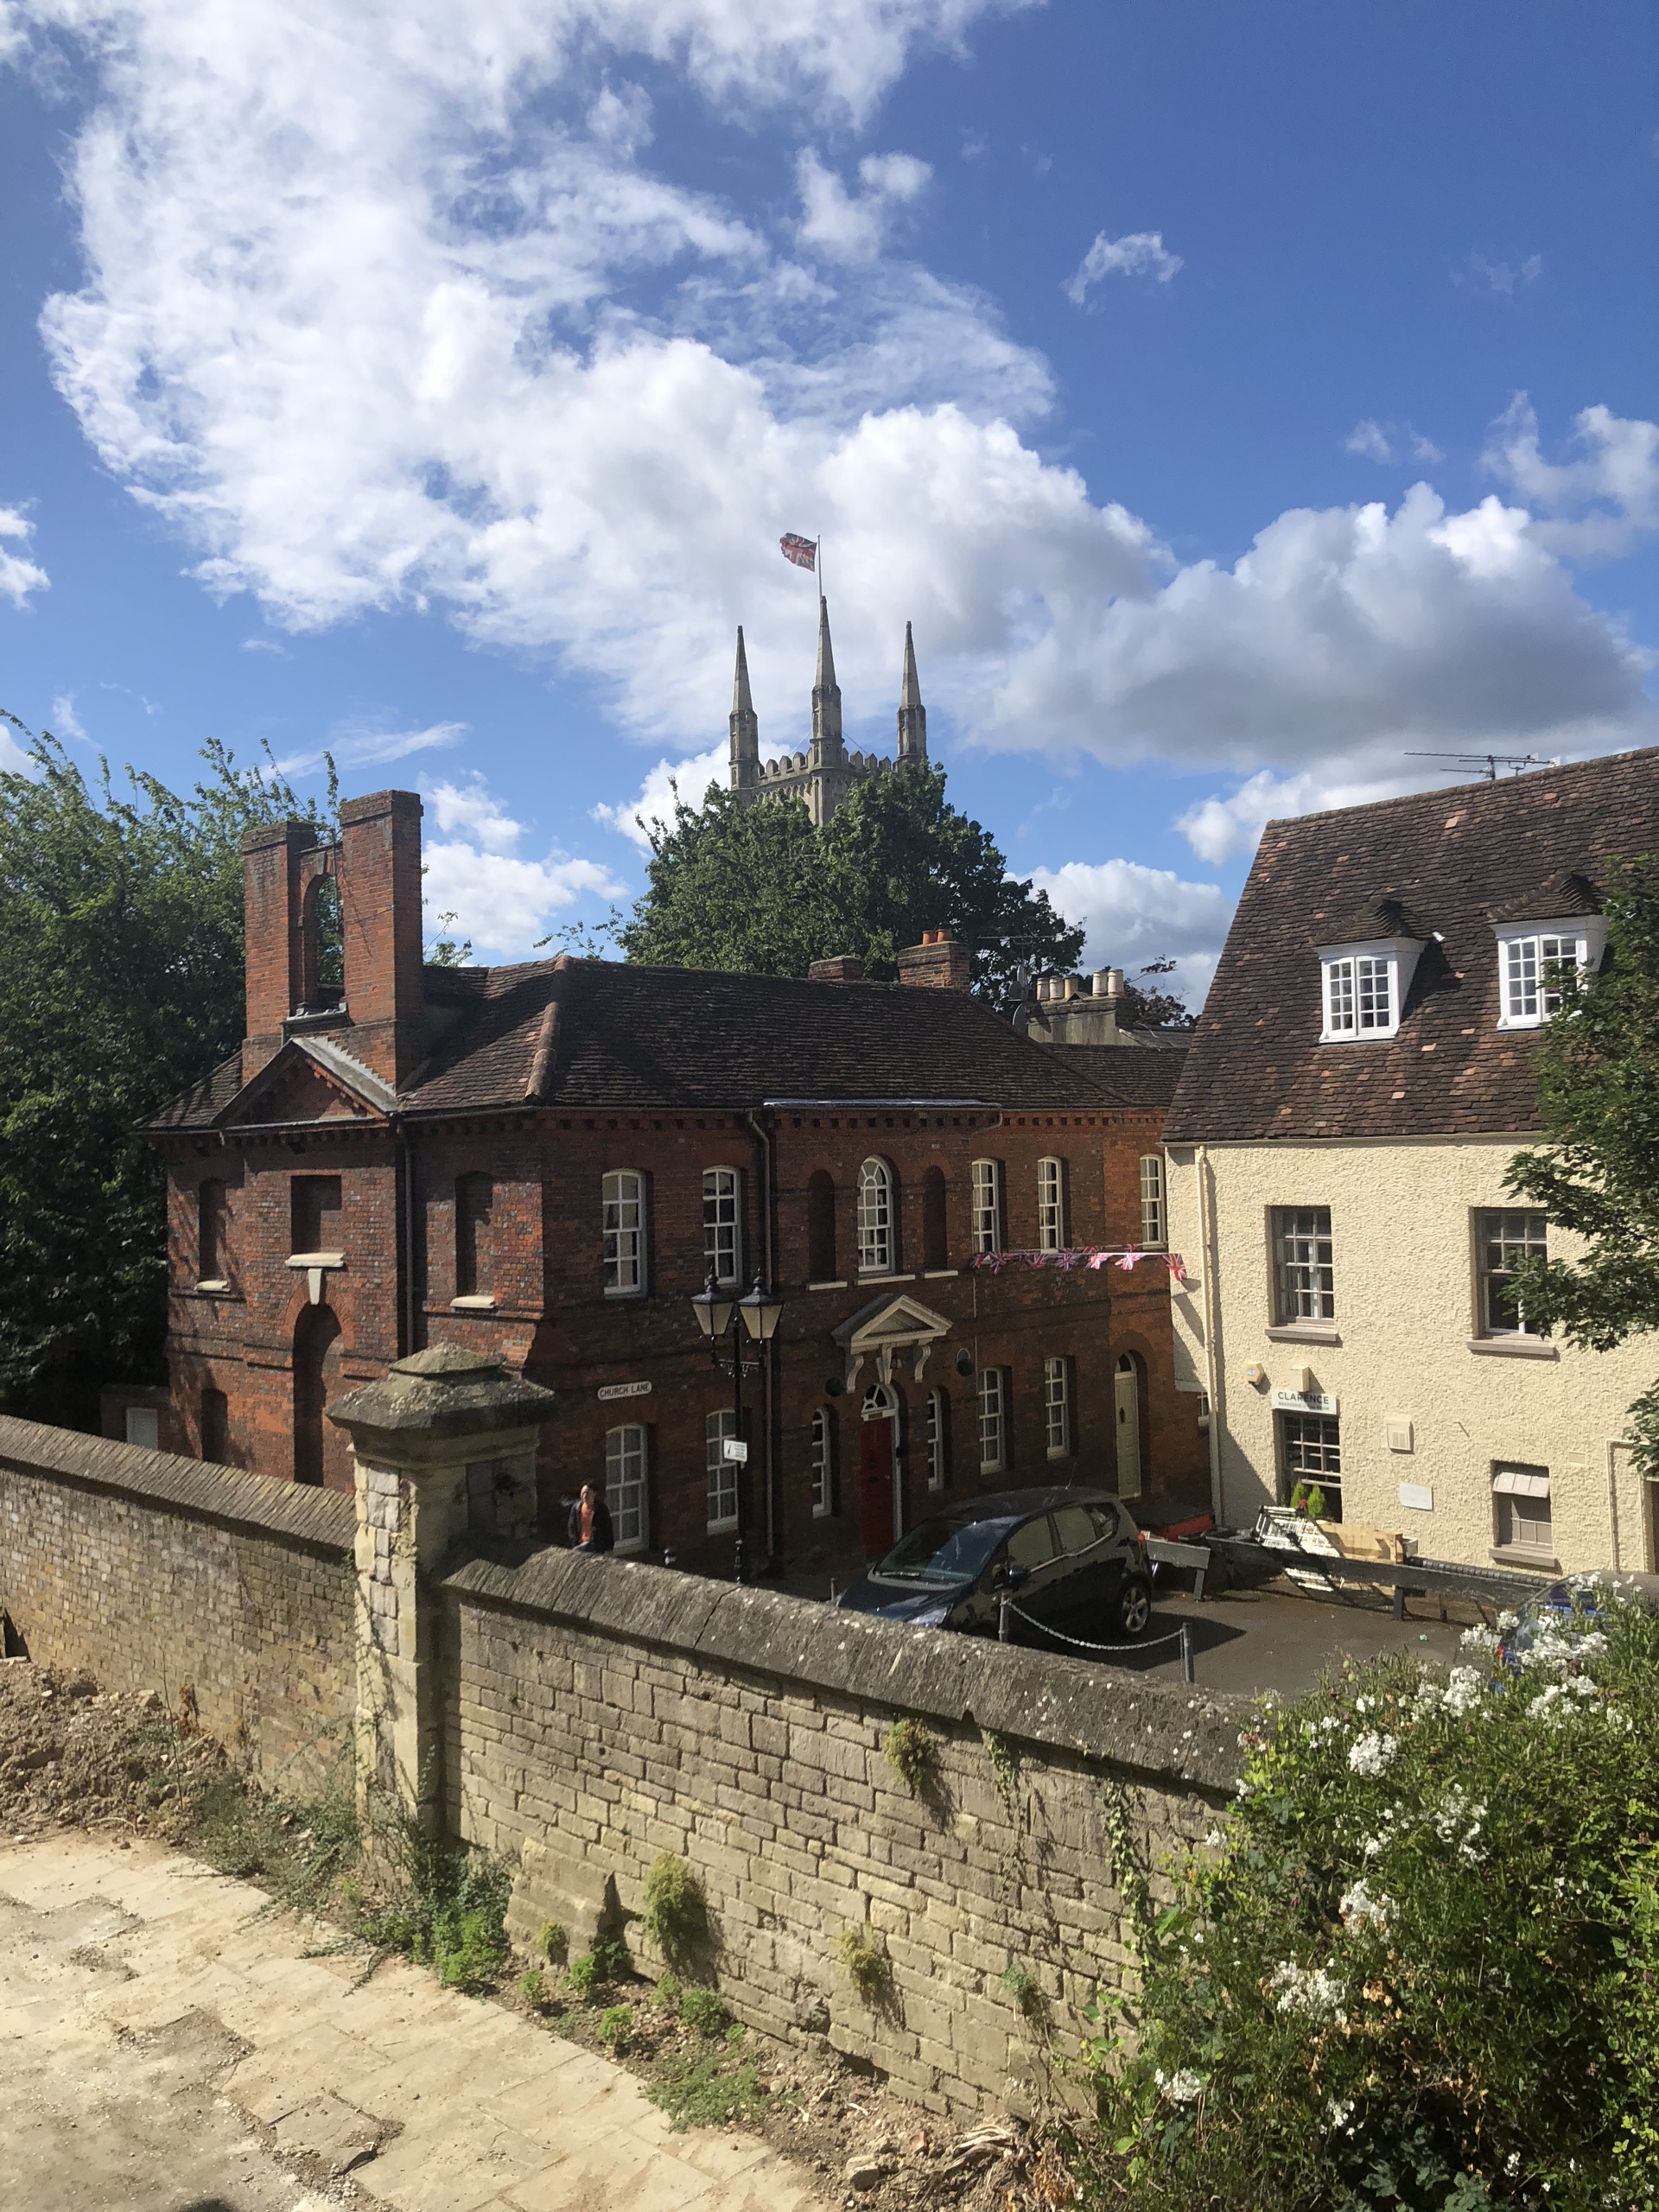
1363,1075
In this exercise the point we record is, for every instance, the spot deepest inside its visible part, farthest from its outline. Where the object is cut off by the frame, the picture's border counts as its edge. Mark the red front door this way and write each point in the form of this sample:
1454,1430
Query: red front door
875,1484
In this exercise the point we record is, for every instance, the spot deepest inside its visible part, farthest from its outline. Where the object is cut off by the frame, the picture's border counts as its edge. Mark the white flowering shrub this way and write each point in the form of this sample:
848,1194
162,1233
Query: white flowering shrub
1420,1967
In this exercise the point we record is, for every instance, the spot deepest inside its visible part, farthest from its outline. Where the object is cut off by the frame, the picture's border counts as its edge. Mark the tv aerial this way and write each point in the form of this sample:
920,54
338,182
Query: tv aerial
1489,763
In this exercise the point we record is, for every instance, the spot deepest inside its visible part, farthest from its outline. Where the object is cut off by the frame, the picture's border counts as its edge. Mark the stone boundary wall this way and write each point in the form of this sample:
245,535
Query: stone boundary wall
601,1712
153,1572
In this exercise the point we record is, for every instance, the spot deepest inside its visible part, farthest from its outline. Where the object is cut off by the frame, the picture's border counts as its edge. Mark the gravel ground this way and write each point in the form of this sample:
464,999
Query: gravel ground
72,1755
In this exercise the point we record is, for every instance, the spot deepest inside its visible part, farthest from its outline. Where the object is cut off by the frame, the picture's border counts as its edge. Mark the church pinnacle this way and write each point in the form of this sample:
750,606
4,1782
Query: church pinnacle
912,714
826,698
745,724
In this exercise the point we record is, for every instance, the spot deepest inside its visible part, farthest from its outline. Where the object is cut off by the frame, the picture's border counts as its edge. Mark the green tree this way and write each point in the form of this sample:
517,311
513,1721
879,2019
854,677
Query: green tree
121,983
1598,1089
757,887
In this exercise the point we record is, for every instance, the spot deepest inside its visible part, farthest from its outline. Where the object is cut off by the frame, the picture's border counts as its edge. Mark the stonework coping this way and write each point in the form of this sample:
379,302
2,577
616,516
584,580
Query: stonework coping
445,1390
1166,1730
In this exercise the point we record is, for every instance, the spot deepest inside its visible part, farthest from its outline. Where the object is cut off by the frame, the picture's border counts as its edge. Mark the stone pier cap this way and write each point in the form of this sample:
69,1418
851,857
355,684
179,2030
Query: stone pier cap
445,1390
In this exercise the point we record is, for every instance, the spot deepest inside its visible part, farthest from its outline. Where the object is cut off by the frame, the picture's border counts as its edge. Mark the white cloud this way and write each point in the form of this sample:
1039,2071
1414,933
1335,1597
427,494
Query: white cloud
689,779
1134,914
1394,442
66,723
385,306
14,761
1142,253
18,574
502,901
1217,828
1499,277
1604,502
354,748
850,228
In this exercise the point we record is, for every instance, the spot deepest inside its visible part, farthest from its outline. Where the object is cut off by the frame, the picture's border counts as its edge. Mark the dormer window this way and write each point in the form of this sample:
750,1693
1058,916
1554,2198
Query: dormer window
1366,978
1532,956
1365,987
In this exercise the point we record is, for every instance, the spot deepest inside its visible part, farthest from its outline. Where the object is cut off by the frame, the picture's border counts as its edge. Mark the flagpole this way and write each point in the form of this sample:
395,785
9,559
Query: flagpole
818,560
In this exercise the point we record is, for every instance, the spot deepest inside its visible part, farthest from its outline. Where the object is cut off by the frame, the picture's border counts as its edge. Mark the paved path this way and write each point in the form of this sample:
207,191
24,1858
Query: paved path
162,2047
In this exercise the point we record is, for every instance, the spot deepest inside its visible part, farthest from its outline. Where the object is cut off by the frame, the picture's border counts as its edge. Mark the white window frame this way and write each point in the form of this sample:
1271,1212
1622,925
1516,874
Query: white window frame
1316,1438
1363,988
1051,1205
1526,949
723,1472
622,1213
1305,1279
1056,1406
824,1463
987,1185
722,1223
875,1218
938,1431
1154,1204
992,1393
1517,1491
1522,1238
628,1489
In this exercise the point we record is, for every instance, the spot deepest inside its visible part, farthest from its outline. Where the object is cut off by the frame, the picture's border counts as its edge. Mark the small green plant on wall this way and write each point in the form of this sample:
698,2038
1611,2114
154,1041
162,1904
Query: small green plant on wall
866,1965
675,1914
553,1944
912,1751
607,1962
1029,1996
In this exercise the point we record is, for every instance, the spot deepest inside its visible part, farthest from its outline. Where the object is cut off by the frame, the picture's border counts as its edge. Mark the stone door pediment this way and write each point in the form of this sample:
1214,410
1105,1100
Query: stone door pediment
895,1324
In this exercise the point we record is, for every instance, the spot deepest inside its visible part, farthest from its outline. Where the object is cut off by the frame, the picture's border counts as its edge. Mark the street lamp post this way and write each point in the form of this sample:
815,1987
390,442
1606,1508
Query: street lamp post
753,1319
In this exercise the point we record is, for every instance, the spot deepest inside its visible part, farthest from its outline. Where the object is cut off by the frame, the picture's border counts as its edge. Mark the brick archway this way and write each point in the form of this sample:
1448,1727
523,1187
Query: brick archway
320,1455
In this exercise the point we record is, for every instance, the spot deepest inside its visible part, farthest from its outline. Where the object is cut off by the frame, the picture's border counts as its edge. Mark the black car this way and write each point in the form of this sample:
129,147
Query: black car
1069,1560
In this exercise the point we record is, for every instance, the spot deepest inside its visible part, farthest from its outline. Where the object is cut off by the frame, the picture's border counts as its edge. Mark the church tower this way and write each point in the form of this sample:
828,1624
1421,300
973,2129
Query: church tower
744,726
912,714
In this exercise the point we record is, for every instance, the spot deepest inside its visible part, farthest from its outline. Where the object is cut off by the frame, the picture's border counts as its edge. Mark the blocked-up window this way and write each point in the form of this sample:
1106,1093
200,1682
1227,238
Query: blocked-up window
315,1213
1521,1515
626,1487
475,1258
723,1224
936,1255
622,1196
722,1473
820,1227
988,1205
212,1258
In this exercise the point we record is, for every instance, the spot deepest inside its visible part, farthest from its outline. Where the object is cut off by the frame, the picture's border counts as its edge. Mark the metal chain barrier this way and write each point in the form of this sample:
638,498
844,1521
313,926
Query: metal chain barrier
1183,1635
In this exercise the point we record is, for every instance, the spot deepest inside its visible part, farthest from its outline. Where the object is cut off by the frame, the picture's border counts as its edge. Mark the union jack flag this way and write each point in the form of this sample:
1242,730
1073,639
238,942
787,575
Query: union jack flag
801,550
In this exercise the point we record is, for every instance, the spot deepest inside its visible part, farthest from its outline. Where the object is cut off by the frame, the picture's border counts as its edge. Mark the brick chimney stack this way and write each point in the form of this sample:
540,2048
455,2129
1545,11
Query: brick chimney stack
380,914
938,963
278,861
840,967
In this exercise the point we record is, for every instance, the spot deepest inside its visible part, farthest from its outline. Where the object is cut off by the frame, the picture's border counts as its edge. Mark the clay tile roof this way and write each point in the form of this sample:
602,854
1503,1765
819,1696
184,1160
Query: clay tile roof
626,1035
1132,1075
1458,861
1373,920
1565,892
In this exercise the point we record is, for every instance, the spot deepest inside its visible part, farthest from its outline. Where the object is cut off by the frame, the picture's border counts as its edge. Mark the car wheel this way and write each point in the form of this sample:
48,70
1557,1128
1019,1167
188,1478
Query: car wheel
1134,1608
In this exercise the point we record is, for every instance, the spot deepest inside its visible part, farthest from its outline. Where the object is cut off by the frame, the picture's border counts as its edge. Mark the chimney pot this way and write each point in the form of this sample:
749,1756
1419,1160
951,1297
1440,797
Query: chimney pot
1071,986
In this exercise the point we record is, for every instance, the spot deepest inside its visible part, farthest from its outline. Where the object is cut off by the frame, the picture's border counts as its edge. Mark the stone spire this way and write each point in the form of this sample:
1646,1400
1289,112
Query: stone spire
912,714
745,725
826,747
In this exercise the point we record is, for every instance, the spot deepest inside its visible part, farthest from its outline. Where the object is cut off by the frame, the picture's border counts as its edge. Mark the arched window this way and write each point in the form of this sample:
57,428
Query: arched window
722,1223
820,1227
623,1200
213,1261
1051,1205
475,1258
322,941
1126,1390
988,1205
316,1367
825,1497
875,1219
624,1486
935,1239
938,1440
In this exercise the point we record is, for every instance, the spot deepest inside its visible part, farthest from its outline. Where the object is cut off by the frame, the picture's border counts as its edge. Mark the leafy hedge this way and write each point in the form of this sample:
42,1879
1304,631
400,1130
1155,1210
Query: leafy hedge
1417,1967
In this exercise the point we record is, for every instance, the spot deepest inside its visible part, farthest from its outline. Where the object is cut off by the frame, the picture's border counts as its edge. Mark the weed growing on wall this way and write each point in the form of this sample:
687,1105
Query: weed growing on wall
866,1965
599,1969
1030,1998
553,1943
1421,1969
1005,1773
912,1751
675,1914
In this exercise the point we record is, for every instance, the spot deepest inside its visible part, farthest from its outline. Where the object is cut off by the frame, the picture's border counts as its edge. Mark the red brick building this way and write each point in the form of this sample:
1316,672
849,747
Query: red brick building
544,1161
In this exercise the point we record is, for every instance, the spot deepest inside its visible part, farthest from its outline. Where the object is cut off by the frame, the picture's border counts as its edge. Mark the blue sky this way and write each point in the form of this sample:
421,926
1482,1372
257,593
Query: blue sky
1237,401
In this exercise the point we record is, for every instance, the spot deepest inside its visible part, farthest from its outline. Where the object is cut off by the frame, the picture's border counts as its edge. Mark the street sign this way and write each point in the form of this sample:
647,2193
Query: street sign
734,1448
609,1390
